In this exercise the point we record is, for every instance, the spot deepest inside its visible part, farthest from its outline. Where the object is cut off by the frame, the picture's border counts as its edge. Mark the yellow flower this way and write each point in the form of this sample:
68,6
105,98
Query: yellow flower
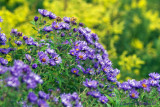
127,78
8,57
118,76
137,44
136,71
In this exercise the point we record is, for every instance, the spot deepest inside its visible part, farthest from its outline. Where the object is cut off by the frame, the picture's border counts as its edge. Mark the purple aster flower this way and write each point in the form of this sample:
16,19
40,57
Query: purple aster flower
134,83
3,38
75,71
18,64
32,85
14,31
66,42
81,68
95,37
3,61
90,83
15,71
56,26
112,79
103,99
28,57
96,65
153,82
81,56
55,99
91,56
42,103
66,19
96,94
90,71
26,69
75,96
47,28
52,62
78,48
89,39
106,69
145,85
64,25
118,84
125,86
12,81
87,30
19,34
4,50
101,85
81,24
25,38
98,45
74,30
81,30
66,99
1,19
155,76
52,16
32,97
89,93
78,104
43,12
62,34
158,88
3,69
99,57
73,52
29,41
43,95
44,59
50,51
34,66
134,94
35,77
36,18
57,59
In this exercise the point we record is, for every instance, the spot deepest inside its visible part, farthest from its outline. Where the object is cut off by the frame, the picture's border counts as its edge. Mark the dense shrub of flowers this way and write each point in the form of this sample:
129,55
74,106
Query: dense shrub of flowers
64,64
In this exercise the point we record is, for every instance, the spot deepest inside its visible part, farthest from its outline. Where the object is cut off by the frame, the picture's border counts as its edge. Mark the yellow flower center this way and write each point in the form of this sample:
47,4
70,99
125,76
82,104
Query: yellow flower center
90,71
56,58
133,95
105,69
81,57
43,60
56,26
74,71
144,85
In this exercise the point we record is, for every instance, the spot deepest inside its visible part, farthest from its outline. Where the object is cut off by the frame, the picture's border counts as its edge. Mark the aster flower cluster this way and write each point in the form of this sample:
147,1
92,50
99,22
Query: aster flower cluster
3,38
67,56
53,60
40,100
68,100
146,84
21,72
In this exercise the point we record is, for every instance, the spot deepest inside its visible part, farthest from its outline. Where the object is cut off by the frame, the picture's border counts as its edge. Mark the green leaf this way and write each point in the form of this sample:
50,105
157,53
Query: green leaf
108,105
32,22
110,99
